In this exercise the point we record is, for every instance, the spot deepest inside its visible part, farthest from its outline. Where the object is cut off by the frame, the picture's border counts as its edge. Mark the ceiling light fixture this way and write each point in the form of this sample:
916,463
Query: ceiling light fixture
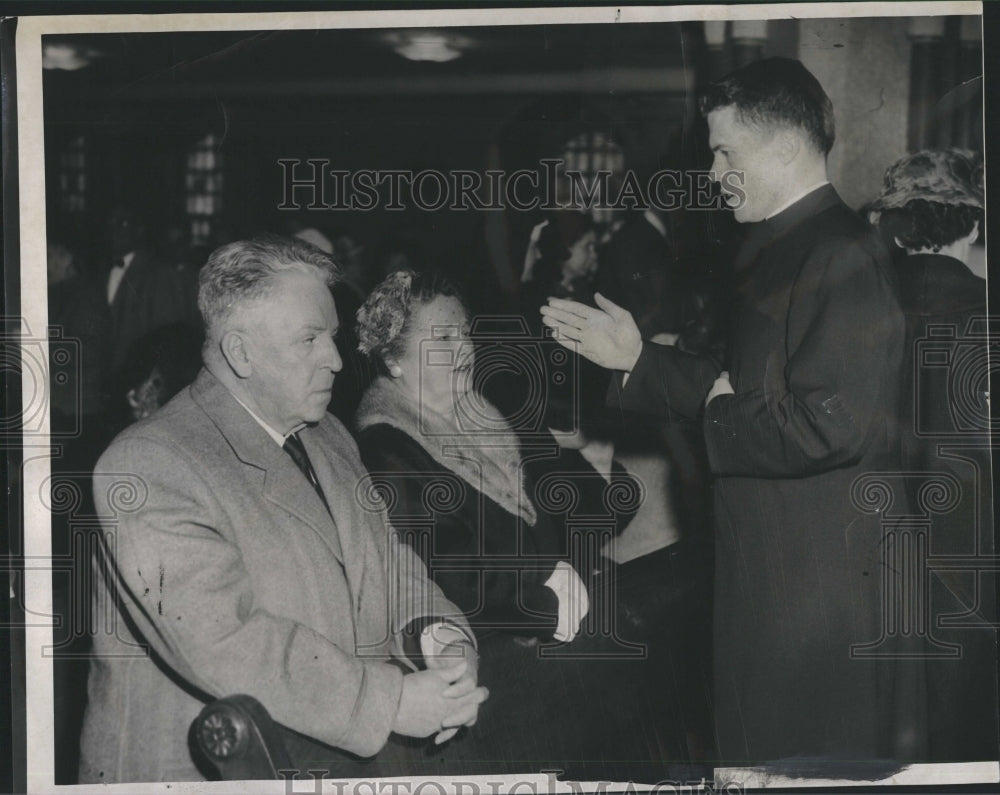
68,56
427,45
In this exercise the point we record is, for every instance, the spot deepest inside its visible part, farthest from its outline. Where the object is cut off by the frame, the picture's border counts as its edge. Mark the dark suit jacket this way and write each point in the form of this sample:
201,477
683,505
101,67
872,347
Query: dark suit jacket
224,573
151,295
815,364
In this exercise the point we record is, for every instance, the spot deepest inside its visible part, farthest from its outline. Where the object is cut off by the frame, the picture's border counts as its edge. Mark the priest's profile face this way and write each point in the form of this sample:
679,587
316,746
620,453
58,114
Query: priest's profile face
289,338
747,163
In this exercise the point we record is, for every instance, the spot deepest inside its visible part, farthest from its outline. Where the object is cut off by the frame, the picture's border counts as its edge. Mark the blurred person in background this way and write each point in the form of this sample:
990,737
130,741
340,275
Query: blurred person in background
562,261
143,291
159,365
79,312
349,294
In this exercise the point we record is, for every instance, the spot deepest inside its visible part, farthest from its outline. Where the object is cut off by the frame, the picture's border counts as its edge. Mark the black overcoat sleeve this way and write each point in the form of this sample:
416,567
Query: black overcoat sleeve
466,530
666,382
818,408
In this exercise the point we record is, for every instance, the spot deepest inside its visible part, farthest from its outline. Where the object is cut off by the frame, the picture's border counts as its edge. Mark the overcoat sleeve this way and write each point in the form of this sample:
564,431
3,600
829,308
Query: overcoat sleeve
819,410
463,536
185,586
666,382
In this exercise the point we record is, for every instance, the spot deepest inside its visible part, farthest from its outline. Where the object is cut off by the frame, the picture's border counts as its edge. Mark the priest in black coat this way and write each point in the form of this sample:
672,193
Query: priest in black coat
804,406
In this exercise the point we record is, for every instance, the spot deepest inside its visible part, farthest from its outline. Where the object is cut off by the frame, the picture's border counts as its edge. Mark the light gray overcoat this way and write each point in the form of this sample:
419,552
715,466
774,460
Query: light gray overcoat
225,565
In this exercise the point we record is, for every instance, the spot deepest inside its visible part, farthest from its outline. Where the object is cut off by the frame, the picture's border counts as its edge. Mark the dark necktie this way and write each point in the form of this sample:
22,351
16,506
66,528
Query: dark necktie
293,446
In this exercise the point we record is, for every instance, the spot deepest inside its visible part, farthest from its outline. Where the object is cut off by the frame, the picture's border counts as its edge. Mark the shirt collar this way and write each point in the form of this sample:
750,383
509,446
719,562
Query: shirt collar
127,260
278,438
796,198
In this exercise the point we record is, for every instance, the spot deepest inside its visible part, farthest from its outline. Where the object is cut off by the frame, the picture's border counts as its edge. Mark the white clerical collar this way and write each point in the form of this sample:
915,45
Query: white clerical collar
796,198
654,221
278,437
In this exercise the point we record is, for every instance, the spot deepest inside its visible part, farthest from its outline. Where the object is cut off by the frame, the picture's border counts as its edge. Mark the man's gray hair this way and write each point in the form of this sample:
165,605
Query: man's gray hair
240,272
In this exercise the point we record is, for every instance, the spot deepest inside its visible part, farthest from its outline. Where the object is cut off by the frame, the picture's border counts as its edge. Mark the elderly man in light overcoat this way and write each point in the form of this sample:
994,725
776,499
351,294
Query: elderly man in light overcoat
242,554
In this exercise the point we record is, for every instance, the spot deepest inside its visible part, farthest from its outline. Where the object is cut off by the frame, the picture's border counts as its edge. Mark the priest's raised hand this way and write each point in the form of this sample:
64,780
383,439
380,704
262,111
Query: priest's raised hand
606,334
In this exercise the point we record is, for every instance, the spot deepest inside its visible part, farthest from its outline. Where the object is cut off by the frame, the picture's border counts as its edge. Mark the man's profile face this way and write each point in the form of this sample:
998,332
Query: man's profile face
289,338
748,150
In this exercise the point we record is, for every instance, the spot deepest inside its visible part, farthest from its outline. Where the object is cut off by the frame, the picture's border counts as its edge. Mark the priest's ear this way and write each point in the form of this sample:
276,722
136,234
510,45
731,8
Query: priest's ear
787,145
234,349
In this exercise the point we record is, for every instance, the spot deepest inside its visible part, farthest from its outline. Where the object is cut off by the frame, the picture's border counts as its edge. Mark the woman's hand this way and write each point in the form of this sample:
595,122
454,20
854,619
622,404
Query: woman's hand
720,387
574,604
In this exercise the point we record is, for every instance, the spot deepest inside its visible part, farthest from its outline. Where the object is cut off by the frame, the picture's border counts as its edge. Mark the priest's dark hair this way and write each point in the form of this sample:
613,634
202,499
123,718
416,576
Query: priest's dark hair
775,91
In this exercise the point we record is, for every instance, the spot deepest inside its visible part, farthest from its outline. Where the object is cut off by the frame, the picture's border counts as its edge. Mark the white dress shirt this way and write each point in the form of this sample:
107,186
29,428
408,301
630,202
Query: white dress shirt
116,276
654,221
278,437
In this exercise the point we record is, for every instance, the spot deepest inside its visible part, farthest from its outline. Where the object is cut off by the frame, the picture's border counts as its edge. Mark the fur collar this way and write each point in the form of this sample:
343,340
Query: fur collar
489,459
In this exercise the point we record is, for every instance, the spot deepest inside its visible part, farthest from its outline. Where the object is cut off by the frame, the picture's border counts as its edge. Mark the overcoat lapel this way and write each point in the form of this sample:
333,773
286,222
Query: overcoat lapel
284,484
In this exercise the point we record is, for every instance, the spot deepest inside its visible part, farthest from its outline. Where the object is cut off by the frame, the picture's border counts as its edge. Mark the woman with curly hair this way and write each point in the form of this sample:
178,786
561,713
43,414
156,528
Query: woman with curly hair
931,207
510,525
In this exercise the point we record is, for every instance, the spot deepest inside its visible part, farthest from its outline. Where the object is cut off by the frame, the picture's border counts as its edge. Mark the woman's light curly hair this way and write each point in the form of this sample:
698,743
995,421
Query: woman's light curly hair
384,319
